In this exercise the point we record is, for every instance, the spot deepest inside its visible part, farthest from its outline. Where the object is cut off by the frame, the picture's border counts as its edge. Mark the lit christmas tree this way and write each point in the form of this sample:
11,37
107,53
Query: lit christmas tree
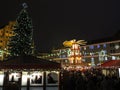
21,43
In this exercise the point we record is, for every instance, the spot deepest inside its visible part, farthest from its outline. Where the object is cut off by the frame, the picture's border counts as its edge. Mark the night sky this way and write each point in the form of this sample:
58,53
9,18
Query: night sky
55,21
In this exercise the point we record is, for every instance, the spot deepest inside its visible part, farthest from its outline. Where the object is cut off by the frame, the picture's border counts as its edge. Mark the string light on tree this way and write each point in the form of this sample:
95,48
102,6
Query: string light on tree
21,43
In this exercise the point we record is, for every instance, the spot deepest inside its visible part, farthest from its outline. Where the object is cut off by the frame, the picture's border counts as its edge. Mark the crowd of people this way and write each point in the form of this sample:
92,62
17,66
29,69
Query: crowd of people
92,79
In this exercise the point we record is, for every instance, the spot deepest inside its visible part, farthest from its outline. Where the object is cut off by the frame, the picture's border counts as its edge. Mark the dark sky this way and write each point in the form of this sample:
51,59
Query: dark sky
55,21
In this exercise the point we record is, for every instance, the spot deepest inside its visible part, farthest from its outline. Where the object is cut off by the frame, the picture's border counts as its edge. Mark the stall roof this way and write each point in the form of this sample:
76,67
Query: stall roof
28,62
111,63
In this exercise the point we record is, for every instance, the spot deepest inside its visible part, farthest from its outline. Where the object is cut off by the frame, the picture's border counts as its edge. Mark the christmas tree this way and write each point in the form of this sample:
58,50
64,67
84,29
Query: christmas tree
21,42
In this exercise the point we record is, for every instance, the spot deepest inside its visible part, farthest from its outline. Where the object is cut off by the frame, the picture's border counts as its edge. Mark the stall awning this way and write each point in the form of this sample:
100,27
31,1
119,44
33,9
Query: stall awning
28,62
111,63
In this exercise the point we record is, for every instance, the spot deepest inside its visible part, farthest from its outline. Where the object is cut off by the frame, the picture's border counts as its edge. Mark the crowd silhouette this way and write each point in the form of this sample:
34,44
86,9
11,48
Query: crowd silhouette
92,79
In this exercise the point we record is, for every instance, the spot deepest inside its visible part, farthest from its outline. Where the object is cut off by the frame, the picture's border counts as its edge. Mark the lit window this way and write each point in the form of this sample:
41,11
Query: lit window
106,58
66,61
105,51
113,58
91,47
98,46
117,46
63,56
104,45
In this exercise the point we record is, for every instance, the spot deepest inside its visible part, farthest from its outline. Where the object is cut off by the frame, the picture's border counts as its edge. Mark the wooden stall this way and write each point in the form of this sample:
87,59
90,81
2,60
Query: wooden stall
111,67
29,73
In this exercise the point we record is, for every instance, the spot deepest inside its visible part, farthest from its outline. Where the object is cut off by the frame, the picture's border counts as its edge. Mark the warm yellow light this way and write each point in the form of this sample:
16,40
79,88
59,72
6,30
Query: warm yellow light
89,64
71,58
78,58
71,42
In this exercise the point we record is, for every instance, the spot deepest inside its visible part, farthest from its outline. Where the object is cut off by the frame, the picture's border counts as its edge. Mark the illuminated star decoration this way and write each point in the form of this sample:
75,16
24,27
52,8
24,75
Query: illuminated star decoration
71,42
24,5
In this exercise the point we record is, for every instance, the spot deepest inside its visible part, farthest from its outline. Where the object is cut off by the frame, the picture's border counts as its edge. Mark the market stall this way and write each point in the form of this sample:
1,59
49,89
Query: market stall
30,73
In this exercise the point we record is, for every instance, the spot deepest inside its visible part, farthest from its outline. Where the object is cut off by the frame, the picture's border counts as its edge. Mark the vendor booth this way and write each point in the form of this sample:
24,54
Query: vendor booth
111,67
29,73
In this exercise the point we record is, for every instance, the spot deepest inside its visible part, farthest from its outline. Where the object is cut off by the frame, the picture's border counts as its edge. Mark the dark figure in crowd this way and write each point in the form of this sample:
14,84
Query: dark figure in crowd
92,79
80,83
71,83
11,86
50,79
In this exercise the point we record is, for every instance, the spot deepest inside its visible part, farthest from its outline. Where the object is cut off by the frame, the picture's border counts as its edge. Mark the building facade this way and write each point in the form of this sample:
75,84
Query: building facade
5,33
100,52
93,54
29,73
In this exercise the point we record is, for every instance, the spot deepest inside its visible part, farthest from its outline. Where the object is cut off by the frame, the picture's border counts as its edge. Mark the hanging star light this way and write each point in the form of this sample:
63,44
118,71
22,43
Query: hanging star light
25,5
71,42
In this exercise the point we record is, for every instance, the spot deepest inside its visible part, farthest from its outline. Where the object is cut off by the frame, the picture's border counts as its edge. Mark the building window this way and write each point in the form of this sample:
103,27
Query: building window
117,46
106,58
98,46
66,61
63,56
112,51
113,58
91,47
112,44
104,45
